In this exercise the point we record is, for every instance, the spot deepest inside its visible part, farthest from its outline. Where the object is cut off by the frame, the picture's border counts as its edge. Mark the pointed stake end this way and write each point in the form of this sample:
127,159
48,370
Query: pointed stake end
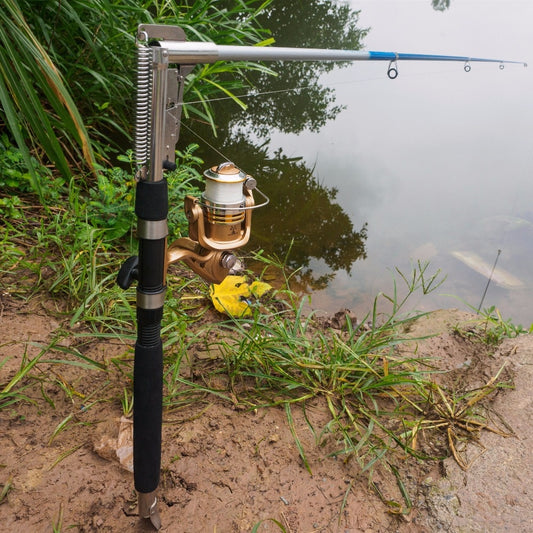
147,502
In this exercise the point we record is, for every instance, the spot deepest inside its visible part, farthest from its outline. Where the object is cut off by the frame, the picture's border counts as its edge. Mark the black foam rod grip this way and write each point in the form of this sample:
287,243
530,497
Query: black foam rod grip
147,415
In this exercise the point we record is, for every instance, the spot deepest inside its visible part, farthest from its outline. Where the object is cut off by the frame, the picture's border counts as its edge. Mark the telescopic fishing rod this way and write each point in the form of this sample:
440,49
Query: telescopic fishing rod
219,221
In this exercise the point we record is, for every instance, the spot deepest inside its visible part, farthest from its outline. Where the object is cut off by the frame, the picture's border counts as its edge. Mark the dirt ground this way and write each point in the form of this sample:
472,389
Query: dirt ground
226,469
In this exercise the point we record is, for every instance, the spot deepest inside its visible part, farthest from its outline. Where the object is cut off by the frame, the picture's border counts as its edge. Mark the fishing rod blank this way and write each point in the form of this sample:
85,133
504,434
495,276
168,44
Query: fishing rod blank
189,53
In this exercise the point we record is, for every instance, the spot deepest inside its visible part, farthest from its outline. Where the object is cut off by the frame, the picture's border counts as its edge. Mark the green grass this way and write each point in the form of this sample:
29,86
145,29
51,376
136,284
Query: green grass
490,327
382,403
14,390
494,328
67,72
379,401
8,485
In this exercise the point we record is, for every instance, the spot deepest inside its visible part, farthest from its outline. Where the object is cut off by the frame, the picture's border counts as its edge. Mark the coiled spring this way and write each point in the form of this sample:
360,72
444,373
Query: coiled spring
143,107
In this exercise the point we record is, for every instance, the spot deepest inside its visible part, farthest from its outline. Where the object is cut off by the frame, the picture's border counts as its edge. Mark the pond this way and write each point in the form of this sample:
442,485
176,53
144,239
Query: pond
436,165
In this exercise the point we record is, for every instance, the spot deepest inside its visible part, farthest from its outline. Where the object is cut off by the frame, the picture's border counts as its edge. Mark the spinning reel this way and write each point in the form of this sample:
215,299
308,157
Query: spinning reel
219,222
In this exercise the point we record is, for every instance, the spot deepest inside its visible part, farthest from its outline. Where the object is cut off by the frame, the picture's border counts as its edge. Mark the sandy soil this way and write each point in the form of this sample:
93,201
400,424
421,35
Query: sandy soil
225,469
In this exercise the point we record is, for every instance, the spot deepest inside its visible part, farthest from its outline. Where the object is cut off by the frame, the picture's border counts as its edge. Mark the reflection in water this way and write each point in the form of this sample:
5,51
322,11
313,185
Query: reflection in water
311,24
302,216
303,221
440,5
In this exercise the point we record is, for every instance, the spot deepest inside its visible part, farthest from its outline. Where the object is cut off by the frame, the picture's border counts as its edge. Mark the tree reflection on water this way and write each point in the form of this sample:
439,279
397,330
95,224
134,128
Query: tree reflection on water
303,220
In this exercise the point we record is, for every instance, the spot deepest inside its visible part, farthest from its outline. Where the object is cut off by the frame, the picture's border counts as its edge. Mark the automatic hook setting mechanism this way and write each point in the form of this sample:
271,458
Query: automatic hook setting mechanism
219,222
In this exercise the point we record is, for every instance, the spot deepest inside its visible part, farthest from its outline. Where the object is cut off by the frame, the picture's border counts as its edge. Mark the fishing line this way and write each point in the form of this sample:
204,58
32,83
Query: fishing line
488,282
253,94
226,158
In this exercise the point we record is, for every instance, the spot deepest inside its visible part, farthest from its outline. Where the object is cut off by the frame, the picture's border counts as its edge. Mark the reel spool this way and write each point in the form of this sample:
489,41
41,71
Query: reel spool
223,203
222,218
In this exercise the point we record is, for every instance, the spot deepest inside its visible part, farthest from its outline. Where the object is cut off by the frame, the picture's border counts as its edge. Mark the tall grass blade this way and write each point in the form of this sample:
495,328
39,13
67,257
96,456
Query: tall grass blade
292,427
22,52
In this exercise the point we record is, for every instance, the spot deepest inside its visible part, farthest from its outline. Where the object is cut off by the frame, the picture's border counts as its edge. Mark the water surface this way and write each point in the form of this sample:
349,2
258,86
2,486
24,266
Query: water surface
436,162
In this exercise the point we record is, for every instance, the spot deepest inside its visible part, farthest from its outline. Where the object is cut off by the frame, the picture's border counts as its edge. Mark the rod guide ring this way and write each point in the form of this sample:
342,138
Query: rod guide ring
392,71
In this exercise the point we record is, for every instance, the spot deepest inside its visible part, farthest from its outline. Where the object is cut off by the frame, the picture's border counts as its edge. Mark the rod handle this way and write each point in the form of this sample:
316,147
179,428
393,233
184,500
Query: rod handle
147,415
